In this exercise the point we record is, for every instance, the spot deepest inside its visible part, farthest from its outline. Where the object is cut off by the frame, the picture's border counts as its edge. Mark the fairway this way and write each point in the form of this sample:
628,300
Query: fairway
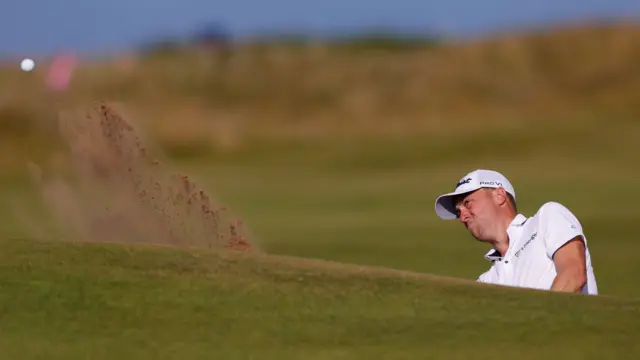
99,301
354,205
347,207
103,302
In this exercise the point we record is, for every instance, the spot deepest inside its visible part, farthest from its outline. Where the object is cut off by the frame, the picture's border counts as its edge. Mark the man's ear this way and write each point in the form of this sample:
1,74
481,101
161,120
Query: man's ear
500,196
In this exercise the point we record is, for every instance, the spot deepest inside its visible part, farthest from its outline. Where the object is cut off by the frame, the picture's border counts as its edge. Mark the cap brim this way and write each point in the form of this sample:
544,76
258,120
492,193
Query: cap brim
446,207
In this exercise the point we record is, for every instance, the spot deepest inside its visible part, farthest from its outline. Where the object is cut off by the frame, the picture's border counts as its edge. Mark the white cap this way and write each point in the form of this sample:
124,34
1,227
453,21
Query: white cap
446,209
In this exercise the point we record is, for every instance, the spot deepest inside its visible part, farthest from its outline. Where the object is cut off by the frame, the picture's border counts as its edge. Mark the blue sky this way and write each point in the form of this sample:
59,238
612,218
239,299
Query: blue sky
44,26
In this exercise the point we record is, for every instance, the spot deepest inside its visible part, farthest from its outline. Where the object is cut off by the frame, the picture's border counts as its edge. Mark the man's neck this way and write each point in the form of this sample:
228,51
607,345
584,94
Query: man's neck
502,246
502,239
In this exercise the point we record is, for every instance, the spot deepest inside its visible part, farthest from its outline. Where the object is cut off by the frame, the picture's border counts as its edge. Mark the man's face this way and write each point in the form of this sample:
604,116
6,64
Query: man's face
477,211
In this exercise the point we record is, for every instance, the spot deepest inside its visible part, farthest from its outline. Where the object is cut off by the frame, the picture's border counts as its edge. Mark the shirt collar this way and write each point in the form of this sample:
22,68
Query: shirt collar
517,222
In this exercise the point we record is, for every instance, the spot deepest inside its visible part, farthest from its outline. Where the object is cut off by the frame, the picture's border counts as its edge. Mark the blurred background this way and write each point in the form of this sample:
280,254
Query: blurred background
330,127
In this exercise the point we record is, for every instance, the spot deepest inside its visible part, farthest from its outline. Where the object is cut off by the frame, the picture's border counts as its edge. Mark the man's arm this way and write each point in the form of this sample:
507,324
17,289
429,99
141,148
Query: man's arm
571,266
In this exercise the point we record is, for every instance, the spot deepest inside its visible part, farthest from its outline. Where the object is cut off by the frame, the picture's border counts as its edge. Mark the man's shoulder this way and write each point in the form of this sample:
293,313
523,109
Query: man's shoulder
552,209
554,216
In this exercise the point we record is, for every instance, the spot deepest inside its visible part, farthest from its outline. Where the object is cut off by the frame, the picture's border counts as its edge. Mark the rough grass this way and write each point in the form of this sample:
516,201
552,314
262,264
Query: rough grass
315,91
102,301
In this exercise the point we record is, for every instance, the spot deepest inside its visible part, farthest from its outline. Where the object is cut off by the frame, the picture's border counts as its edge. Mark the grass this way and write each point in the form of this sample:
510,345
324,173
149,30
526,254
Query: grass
99,301
347,203
371,202
79,301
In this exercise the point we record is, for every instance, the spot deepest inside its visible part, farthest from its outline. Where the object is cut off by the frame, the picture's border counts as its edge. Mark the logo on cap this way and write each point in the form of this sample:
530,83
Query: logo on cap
462,182
491,183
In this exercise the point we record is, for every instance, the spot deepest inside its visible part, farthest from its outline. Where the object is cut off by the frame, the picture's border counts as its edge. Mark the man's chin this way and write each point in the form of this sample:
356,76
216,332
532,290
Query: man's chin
471,231
476,236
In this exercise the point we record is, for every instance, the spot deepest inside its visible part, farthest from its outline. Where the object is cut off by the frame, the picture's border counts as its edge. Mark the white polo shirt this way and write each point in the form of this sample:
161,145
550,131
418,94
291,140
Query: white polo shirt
532,243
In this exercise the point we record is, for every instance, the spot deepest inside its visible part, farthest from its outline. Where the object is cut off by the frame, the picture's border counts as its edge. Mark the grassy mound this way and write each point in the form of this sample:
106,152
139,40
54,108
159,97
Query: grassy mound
97,301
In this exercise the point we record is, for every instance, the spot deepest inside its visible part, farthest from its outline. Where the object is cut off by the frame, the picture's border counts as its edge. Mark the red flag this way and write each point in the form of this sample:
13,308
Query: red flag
60,72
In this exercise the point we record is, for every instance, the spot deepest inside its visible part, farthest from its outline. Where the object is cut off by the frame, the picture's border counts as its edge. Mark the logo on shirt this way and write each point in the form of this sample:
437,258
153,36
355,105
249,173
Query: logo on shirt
462,182
526,243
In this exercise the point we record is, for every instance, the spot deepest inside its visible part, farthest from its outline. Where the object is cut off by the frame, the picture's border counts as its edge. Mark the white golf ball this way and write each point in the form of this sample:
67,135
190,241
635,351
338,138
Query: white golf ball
27,65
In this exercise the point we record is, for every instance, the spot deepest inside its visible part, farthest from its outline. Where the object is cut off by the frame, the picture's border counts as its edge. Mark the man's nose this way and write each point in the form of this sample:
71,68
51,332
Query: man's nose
464,216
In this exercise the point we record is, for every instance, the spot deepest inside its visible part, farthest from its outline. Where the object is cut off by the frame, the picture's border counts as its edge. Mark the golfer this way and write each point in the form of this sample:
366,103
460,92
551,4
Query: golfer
547,251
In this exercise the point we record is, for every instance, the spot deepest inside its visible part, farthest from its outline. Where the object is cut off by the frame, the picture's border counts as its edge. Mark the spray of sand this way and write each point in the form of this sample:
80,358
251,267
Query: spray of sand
114,191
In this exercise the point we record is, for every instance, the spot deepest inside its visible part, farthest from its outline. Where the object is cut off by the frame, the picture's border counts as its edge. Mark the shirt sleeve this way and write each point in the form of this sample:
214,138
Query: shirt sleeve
559,227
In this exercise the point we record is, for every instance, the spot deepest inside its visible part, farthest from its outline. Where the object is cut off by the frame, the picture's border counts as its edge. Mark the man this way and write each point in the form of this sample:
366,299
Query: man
547,251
